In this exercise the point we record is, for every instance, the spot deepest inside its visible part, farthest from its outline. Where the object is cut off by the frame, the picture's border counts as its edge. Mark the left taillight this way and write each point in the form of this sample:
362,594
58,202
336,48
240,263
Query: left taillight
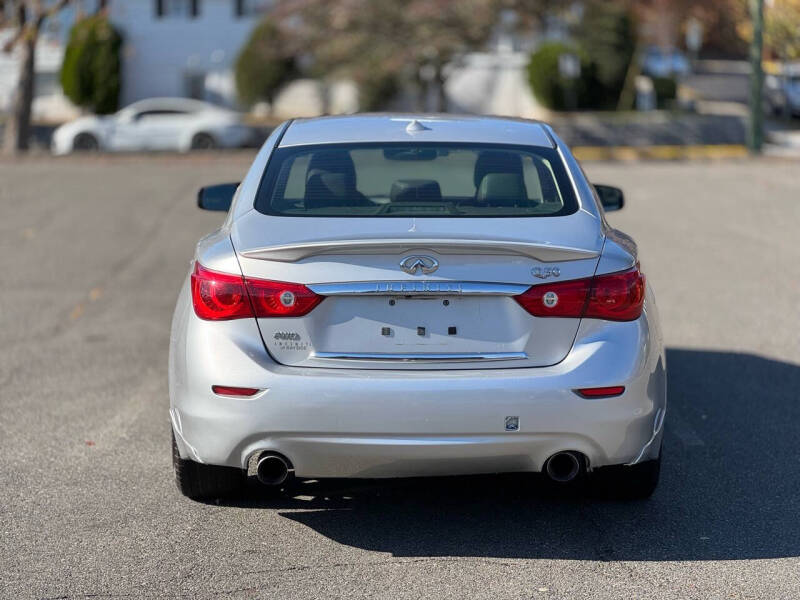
222,296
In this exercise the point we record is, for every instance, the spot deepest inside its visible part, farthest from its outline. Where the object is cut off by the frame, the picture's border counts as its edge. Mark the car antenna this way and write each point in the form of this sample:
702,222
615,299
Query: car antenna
415,126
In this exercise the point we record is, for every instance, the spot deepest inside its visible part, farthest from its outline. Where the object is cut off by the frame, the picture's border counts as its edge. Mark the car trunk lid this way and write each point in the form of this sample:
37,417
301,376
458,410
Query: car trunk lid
406,293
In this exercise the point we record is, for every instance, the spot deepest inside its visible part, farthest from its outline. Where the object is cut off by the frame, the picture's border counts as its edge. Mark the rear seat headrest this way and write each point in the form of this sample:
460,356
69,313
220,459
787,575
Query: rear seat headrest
496,161
416,190
502,189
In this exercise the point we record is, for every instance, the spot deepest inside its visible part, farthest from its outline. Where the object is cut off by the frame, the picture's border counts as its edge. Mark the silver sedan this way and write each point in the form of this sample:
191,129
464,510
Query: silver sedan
396,296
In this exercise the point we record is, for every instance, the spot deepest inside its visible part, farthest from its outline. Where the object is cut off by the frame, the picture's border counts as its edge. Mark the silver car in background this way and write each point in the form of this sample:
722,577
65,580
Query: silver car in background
396,296
166,124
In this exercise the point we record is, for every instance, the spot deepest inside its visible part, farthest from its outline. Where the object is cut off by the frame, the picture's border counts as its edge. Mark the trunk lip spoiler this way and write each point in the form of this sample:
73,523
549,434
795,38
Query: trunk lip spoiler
541,251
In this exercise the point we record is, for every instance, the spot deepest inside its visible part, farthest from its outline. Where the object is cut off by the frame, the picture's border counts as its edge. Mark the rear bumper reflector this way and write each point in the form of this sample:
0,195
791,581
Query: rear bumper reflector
601,392
229,390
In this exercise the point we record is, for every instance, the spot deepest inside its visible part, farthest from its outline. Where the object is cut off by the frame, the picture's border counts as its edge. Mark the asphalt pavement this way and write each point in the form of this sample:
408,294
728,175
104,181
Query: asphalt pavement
92,253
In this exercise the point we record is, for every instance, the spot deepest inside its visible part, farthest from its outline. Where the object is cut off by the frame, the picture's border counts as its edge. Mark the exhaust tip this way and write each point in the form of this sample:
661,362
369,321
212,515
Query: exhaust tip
272,469
563,467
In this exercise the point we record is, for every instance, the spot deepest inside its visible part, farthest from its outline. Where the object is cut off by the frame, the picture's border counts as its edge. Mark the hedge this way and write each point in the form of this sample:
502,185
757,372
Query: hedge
91,74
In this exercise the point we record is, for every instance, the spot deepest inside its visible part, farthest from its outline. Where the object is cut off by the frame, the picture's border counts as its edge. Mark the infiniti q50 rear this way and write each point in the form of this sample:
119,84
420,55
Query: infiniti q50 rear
395,296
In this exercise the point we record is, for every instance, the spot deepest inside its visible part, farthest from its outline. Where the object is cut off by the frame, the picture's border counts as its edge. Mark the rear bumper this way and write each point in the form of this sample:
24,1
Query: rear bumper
351,423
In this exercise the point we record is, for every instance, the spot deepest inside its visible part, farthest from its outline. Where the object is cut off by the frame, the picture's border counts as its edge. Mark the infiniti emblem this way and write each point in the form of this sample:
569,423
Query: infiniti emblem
415,265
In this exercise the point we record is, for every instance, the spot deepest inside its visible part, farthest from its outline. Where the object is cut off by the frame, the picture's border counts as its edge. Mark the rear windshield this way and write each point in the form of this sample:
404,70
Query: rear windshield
415,180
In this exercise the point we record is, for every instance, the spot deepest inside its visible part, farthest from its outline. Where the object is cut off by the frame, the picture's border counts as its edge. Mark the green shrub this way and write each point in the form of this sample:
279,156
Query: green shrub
550,87
666,91
607,34
91,74
262,65
606,42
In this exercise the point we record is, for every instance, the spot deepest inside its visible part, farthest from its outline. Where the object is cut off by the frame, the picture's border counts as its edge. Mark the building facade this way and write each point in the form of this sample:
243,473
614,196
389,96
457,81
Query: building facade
183,47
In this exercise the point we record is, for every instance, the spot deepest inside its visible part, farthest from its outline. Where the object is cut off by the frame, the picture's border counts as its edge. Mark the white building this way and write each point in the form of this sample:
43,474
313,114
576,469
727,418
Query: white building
182,47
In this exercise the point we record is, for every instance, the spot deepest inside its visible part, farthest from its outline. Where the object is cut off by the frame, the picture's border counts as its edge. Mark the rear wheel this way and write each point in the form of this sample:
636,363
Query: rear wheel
85,142
198,481
635,482
203,141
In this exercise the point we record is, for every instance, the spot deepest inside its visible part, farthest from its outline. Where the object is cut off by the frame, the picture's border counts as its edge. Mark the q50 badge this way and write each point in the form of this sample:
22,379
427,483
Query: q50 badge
545,272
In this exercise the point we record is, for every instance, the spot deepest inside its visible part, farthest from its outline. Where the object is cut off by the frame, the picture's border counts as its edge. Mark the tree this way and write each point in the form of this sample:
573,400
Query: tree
264,63
607,36
380,43
91,74
28,17
782,28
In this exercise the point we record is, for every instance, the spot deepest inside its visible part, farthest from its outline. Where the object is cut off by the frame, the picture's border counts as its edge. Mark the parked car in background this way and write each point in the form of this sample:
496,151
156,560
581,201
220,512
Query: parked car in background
402,296
665,62
782,90
175,124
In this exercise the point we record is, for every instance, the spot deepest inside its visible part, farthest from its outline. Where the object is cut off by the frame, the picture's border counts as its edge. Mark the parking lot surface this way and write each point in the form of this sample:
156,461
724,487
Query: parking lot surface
93,251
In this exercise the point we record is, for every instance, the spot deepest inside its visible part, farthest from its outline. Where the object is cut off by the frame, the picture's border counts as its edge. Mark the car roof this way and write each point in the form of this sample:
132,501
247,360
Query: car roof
170,103
405,127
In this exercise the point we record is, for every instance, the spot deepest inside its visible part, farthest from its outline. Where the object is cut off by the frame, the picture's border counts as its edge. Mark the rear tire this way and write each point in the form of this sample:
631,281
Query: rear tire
636,482
203,141
198,481
85,142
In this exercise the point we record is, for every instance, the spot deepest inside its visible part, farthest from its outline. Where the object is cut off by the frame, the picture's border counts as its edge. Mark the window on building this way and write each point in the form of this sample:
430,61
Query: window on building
177,8
246,8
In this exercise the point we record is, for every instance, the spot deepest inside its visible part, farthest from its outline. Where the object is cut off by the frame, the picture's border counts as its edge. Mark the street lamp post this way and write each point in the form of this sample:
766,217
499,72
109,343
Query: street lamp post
755,134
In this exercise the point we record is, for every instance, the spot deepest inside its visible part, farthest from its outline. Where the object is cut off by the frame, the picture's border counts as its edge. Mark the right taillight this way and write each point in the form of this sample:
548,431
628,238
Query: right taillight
222,296
617,296
613,297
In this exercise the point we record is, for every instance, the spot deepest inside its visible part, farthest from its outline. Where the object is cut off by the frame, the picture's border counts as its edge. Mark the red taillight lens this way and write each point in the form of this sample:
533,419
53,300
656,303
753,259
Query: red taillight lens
601,392
565,299
279,299
613,297
221,296
617,296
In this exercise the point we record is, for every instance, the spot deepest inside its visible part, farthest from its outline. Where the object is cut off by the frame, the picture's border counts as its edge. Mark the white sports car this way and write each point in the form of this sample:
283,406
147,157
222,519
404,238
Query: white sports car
176,124
395,296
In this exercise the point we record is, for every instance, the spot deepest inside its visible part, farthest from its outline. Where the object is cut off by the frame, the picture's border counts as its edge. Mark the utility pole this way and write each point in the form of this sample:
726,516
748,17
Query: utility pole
755,134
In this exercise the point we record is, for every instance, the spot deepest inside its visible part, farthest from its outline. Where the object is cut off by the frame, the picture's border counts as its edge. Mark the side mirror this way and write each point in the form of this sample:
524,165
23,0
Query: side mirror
216,197
611,197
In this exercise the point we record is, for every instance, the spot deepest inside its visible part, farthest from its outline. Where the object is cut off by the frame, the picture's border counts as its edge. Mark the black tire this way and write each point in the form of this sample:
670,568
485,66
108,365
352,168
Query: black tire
85,142
203,482
203,141
636,482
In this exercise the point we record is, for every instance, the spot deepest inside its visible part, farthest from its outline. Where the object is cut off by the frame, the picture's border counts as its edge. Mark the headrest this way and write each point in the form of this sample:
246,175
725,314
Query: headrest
502,189
333,161
325,189
416,190
496,161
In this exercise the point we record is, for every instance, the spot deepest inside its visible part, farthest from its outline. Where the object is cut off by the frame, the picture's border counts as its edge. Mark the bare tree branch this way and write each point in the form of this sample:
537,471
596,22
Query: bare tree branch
30,27
22,18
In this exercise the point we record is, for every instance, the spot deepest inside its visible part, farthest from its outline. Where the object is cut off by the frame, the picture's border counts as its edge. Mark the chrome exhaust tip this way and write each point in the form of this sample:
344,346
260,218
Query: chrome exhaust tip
272,469
563,467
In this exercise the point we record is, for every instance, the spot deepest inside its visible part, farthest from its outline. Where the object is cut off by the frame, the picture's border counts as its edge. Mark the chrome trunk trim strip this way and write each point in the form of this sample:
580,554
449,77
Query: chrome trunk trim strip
418,288
418,357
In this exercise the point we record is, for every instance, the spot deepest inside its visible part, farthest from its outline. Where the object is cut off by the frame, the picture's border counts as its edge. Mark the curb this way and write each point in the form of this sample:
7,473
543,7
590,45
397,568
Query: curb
632,153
